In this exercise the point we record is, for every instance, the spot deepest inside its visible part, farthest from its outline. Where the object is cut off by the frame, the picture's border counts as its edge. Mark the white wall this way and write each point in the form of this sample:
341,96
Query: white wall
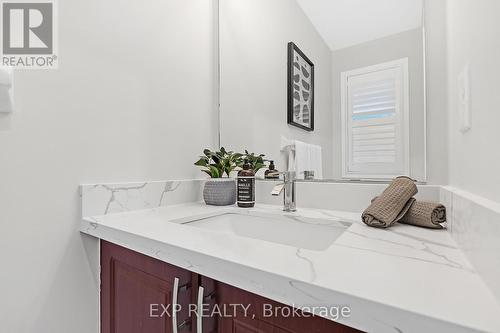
436,92
473,37
254,36
134,99
408,44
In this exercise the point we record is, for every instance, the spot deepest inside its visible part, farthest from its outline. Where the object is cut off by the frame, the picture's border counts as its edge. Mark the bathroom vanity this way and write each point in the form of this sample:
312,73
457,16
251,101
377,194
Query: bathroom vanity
192,253
139,294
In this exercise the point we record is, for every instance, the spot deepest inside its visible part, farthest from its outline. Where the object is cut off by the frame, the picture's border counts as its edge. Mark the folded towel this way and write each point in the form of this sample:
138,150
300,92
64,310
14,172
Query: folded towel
425,214
288,148
308,158
392,204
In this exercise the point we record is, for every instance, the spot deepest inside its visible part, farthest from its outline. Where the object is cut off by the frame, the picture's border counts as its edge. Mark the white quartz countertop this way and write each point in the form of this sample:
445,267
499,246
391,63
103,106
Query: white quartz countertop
403,279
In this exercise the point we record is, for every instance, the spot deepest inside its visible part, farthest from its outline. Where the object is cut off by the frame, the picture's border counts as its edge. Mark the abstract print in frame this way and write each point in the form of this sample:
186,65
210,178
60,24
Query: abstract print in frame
300,89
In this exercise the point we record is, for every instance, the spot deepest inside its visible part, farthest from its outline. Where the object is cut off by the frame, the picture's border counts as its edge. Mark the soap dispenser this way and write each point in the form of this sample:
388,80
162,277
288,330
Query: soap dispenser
271,173
246,186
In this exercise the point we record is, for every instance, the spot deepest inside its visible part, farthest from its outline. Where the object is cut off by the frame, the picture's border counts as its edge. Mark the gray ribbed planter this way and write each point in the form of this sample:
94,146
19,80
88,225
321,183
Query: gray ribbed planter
220,191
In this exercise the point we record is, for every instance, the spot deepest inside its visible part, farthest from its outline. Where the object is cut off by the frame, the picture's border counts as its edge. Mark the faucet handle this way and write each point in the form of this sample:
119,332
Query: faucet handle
278,189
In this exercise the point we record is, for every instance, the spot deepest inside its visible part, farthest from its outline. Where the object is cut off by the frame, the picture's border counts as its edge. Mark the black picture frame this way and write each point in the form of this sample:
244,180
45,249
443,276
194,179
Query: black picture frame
292,113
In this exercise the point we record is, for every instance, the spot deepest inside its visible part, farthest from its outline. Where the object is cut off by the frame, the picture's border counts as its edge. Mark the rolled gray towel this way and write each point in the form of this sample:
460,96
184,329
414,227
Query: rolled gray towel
392,204
425,214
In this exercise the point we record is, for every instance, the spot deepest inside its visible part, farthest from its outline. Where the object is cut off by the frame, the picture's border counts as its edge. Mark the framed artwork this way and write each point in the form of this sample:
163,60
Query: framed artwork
300,111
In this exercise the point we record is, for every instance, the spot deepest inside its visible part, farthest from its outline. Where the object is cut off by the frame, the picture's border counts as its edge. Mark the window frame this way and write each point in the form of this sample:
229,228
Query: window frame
404,123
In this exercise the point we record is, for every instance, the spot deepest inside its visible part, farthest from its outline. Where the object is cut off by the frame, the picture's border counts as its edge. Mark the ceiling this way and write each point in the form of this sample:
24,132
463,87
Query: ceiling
344,23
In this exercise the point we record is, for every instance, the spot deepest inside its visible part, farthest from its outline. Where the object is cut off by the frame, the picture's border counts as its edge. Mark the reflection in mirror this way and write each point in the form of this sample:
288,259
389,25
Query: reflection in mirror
331,89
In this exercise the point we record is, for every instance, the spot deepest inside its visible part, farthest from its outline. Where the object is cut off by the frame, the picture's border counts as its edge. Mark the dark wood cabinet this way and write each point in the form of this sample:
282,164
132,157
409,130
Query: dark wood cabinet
137,289
265,315
138,293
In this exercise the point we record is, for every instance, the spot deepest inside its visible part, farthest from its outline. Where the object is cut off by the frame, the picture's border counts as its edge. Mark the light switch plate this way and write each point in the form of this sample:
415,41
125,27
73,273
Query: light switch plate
464,102
6,90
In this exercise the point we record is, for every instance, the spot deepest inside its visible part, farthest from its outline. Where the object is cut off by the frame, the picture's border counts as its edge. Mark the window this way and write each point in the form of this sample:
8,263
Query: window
375,121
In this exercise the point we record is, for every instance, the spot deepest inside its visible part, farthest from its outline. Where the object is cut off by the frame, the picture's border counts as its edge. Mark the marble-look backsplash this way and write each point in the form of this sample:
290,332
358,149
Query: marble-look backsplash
103,199
343,196
474,223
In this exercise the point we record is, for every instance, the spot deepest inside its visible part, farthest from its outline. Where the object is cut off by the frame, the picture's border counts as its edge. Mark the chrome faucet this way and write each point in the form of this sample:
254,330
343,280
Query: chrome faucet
288,189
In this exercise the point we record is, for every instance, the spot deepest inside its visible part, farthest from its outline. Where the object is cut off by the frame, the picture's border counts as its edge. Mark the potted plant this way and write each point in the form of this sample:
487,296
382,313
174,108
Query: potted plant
257,162
219,190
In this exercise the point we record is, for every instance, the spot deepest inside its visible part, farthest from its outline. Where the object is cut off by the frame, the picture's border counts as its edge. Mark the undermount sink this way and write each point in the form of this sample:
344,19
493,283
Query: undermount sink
299,232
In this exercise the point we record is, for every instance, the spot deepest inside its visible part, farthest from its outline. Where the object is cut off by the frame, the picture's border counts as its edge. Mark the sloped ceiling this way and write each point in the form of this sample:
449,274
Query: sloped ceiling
344,23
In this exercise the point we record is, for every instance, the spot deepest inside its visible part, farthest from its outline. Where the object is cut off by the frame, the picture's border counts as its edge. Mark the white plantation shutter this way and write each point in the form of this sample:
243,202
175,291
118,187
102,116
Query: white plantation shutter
375,121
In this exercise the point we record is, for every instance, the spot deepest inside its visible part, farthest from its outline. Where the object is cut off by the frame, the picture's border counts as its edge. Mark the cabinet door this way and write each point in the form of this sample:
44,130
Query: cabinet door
254,320
135,291
210,320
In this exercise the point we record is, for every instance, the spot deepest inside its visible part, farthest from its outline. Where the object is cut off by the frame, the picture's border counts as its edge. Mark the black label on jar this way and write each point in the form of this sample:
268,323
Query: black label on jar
246,186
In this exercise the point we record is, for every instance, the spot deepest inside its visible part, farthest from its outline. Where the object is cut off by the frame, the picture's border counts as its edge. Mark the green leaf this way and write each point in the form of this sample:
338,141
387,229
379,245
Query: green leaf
237,156
208,172
258,166
215,172
202,162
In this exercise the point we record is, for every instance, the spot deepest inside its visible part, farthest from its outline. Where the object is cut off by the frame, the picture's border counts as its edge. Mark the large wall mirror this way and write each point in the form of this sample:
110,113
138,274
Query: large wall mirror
332,89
